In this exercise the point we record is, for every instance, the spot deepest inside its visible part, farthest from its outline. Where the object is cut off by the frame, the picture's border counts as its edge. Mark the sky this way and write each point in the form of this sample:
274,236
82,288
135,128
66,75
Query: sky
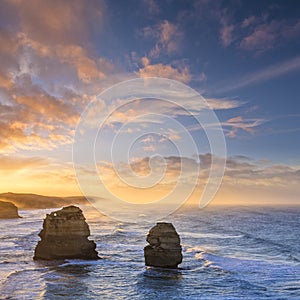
242,57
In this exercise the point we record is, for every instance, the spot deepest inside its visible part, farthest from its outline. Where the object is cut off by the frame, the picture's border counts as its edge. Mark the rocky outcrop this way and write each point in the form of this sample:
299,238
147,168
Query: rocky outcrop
8,210
164,250
65,235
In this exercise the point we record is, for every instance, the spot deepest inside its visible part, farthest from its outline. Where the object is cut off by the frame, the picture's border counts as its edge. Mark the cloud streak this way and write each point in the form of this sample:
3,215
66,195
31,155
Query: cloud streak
262,75
238,123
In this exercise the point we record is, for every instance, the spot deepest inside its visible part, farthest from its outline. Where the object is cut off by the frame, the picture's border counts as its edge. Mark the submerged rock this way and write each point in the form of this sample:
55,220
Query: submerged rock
8,210
65,235
164,250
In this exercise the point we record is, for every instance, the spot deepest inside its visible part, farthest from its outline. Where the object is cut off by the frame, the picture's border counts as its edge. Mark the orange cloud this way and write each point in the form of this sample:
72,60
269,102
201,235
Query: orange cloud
47,39
238,123
35,120
88,69
167,35
5,81
218,104
13,138
51,108
166,71
56,22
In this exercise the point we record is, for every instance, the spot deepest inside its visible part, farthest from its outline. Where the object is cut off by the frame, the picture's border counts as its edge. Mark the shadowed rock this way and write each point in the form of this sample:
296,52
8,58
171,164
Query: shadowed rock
65,235
8,210
164,250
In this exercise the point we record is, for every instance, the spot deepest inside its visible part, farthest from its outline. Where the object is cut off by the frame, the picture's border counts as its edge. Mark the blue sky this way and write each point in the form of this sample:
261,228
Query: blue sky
243,57
240,49
233,49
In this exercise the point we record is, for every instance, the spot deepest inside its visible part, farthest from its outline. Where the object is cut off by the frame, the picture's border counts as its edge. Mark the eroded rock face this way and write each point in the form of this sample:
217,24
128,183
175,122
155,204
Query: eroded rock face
164,250
65,235
8,210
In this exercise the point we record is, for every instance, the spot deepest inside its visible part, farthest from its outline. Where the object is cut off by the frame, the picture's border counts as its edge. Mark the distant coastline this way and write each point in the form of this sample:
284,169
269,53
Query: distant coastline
34,201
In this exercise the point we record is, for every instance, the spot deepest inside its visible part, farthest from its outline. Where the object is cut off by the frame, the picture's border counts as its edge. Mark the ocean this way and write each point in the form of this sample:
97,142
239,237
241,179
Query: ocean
228,253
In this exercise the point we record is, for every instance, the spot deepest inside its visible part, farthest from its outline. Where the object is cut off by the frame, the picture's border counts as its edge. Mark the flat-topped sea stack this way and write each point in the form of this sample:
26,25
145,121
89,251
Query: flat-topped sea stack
65,236
164,250
8,210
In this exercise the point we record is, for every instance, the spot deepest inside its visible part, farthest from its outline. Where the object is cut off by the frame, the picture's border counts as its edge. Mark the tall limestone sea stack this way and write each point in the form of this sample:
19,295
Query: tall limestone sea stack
164,250
65,236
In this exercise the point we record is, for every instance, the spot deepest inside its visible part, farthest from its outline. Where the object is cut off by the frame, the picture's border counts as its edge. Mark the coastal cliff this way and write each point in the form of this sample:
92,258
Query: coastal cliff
33,201
8,210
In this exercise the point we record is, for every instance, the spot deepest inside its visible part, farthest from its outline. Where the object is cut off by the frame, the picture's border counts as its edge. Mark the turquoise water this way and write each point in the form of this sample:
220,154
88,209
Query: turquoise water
229,253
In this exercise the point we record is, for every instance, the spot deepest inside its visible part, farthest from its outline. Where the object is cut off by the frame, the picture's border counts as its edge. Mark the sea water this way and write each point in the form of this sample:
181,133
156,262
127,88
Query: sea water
228,253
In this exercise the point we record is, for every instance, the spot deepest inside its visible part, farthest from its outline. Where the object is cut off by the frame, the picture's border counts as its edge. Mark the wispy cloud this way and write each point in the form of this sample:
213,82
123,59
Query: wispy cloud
181,73
256,33
226,34
152,6
233,126
238,123
151,111
167,36
262,75
223,103
263,35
